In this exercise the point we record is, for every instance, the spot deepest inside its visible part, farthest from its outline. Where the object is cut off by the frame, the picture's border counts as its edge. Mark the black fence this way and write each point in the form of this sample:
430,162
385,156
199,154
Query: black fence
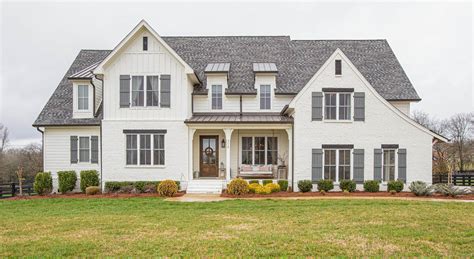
12,189
458,178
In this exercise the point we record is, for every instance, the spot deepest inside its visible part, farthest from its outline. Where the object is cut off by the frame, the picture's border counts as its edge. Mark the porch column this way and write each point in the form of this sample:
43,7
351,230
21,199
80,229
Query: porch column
290,157
228,134
190,153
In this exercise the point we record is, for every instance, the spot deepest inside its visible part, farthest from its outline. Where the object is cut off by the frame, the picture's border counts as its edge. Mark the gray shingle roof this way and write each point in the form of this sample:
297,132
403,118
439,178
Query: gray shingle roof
237,118
297,62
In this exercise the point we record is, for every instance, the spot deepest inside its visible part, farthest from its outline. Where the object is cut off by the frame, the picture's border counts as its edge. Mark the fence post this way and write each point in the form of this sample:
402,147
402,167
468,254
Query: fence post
13,189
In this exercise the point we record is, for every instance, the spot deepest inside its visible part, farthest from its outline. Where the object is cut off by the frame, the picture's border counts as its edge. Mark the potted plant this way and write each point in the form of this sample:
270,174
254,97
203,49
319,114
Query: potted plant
282,160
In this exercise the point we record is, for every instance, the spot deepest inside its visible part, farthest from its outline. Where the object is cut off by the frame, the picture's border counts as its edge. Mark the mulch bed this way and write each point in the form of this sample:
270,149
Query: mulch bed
84,196
352,194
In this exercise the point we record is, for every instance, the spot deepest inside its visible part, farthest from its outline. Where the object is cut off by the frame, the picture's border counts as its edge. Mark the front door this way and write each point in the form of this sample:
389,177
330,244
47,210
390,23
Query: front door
209,156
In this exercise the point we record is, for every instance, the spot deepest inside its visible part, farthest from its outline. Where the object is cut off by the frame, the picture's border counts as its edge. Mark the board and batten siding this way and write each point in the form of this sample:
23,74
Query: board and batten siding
380,126
57,151
132,60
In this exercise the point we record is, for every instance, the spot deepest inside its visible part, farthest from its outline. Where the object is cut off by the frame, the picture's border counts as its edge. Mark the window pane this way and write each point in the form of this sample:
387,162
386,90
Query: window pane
344,165
152,91
259,150
138,93
131,149
330,164
344,106
330,106
84,149
158,149
145,149
388,165
216,97
272,150
82,97
265,97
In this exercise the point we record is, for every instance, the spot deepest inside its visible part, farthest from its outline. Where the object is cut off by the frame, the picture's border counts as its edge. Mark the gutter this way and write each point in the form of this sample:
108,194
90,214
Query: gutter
42,146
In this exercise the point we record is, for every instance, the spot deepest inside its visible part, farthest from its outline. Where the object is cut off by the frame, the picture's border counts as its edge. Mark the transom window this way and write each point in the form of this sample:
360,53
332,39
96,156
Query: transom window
337,106
265,97
388,165
83,97
145,93
145,149
259,150
84,149
216,97
337,164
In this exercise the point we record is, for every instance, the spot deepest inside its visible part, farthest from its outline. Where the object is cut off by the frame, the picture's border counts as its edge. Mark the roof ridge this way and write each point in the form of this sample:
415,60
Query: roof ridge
344,40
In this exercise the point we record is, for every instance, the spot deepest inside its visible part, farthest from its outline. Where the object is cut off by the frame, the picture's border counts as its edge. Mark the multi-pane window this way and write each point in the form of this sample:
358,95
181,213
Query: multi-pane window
138,92
152,91
83,97
216,97
388,165
84,149
259,150
265,97
145,149
337,106
337,164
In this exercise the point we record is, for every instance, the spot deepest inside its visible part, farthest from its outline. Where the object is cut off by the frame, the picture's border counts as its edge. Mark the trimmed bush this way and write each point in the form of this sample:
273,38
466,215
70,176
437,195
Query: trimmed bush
115,186
67,181
150,188
92,190
325,185
395,186
168,188
238,186
127,189
305,185
283,185
274,187
371,186
393,192
449,190
253,181
420,188
265,182
89,178
253,187
43,183
140,186
263,189
347,185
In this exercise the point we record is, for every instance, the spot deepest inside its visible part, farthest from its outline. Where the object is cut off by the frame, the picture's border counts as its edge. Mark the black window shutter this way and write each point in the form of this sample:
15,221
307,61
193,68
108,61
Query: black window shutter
338,67
317,165
359,165
73,149
359,106
165,93
124,91
378,164
317,106
94,149
402,164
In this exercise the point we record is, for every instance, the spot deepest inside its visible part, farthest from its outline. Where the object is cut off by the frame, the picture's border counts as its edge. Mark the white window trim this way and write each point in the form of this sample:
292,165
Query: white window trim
152,146
337,120
146,93
395,151
260,97
336,181
253,147
79,150
222,97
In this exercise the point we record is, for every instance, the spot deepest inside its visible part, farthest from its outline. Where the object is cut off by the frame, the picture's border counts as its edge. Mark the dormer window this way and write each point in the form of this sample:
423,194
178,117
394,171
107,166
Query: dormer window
338,67
216,97
83,97
265,97
145,43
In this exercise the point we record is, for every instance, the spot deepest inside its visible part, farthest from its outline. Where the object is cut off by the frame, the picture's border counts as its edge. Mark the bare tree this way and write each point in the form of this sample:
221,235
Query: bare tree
460,130
3,137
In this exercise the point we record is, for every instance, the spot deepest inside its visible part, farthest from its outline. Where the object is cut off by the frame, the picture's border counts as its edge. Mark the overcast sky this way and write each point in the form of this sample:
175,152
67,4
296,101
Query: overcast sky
39,41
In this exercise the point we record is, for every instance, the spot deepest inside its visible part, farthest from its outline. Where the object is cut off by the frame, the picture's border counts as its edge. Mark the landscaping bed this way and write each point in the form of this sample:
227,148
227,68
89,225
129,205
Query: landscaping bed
85,196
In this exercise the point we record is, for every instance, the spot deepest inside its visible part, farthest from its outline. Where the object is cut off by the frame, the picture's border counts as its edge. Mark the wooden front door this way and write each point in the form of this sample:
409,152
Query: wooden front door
209,156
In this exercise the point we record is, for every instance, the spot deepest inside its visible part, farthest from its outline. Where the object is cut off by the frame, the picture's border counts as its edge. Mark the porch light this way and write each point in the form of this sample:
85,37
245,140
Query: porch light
223,143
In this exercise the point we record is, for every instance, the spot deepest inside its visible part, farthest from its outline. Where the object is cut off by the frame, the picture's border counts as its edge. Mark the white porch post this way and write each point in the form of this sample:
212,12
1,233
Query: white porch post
190,153
290,156
228,134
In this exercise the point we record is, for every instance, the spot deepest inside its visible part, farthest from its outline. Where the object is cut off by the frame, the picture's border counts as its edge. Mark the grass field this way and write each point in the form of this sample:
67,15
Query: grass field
151,226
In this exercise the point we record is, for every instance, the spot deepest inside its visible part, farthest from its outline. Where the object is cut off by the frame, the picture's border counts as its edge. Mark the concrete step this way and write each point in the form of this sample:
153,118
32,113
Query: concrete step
205,186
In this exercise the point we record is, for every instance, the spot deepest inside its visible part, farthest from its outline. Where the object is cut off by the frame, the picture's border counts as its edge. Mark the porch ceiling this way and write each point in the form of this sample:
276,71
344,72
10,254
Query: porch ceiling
231,118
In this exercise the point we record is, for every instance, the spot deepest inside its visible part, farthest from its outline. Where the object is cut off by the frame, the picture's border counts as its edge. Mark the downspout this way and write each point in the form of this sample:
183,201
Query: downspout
293,156
42,146
93,98
100,127
240,105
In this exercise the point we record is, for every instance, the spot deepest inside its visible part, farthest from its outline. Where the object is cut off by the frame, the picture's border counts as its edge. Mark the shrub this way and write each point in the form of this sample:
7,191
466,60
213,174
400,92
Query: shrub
395,186
67,181
283,185
238,186
450,190
253,181
253,187
371,186
43,183
323,192
420,188
263,189
92,190
346,192
274,187
347,185
265,182
305,185
167,188
115,186
89,178
150,188
325,185
127,189
393,192
140,186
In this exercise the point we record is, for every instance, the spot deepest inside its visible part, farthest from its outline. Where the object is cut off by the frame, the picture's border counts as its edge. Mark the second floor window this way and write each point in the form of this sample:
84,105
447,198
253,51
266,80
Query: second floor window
138,91
265,97
216,97
152,91
337,106
83,97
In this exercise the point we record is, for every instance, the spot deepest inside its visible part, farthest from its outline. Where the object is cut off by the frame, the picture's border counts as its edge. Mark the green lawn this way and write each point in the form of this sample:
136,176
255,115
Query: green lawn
151,226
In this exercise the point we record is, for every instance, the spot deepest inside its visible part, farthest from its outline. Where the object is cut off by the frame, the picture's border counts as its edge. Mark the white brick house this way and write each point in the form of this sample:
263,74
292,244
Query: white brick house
204,110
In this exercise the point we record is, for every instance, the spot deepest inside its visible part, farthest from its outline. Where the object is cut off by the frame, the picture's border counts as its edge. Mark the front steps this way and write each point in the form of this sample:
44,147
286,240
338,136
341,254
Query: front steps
205,186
